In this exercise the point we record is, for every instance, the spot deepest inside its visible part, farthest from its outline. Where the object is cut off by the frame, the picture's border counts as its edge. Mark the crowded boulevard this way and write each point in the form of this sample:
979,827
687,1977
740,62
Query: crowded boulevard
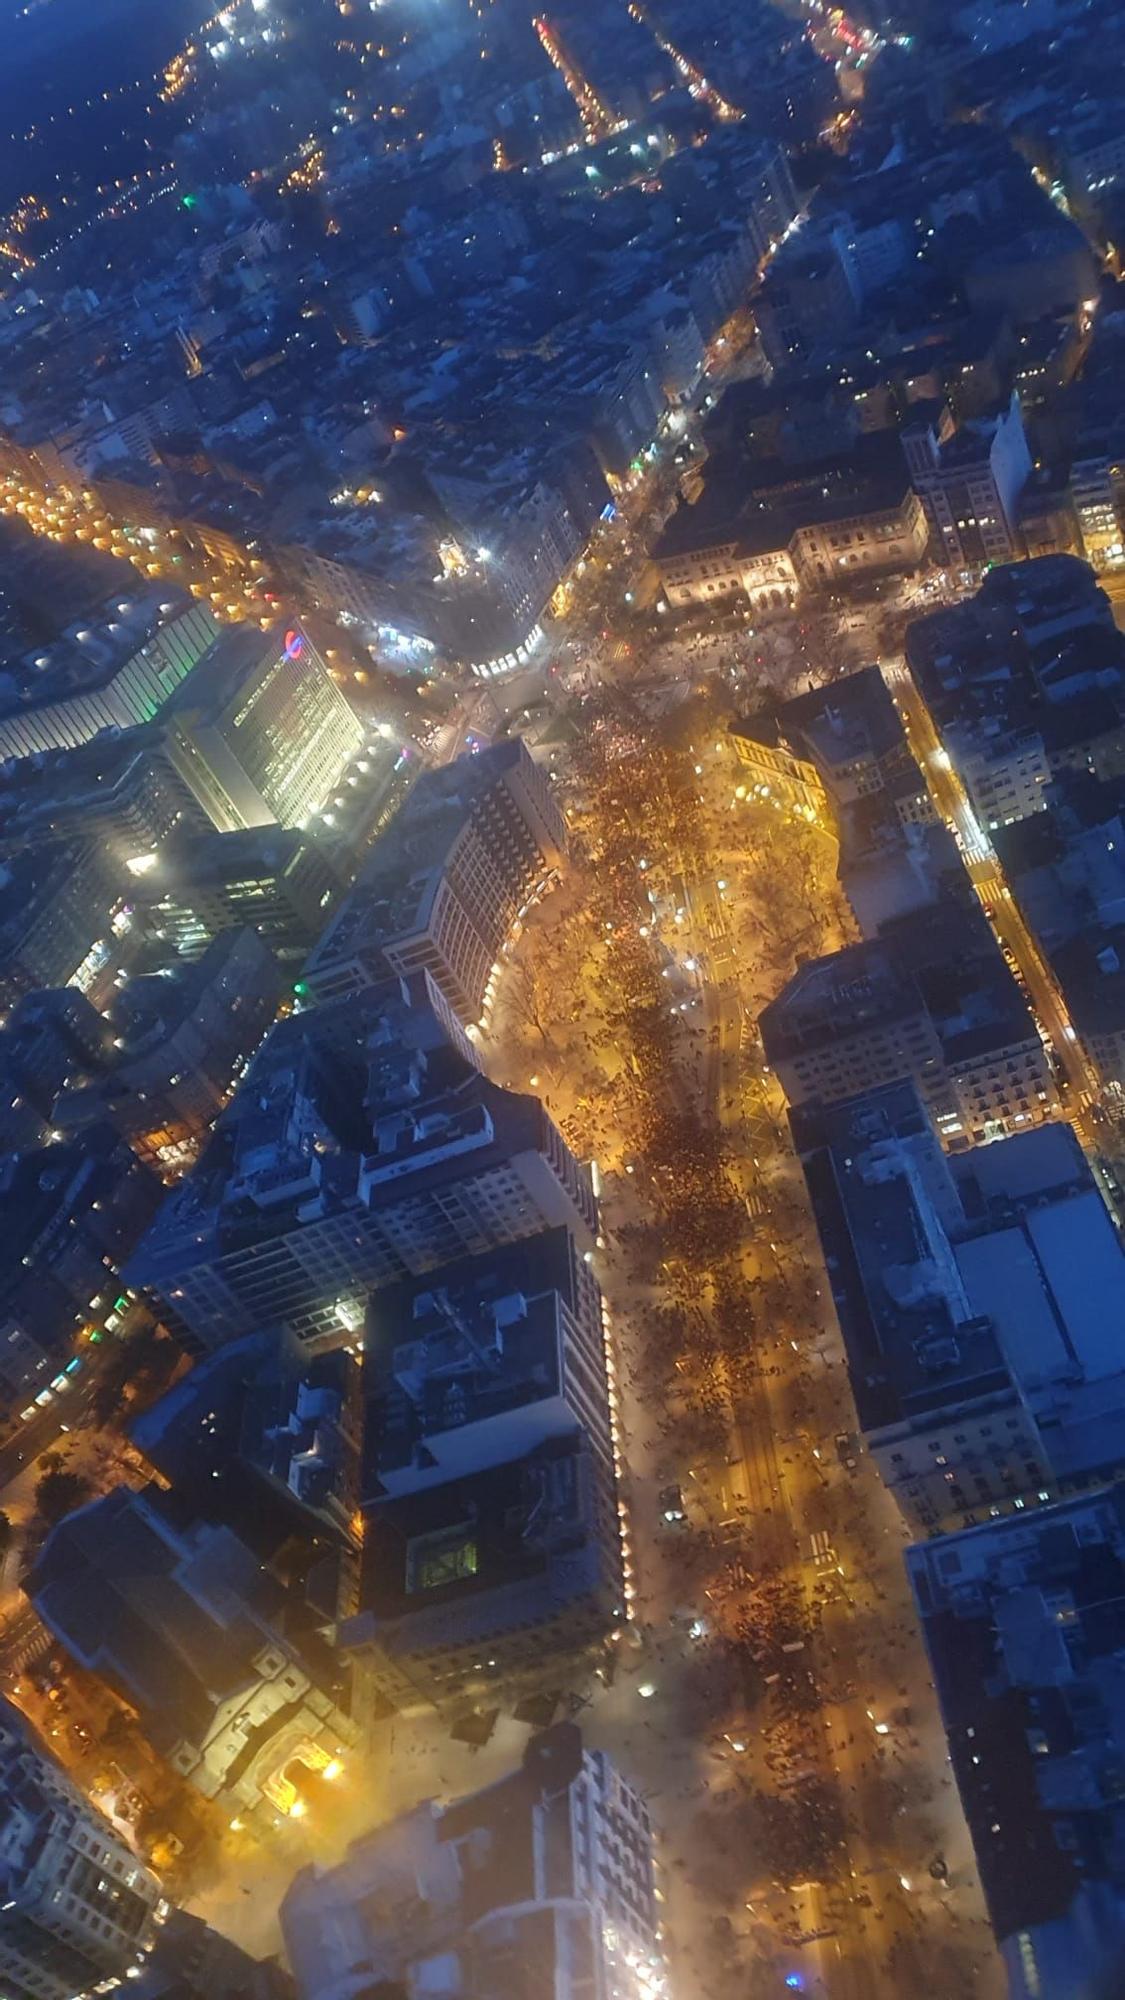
770,1690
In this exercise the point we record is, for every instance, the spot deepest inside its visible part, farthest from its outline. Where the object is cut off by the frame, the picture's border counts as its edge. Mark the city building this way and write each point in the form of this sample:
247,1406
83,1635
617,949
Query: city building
1096,486
826,751
73,1213
542,1883
121,789
191,1961
970,480
931,999
57,905
1066,871
260,730
268,1439
978,1295
447,882
765,530
50,1038
79,1912
363,1145
491,1542
806,306
181,1039
1021,1620
1024,681
890,867
228,1673
117,667
280,880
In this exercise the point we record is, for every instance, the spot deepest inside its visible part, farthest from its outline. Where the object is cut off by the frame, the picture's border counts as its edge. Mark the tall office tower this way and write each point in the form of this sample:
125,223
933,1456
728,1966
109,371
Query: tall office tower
278,879
363,1145
76,1907
446,882
542,1884
260,731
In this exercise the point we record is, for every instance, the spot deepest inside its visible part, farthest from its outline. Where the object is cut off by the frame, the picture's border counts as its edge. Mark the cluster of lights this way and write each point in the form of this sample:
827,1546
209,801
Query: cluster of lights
762,794
63,515
697,83
619,1466
637,1974
308,172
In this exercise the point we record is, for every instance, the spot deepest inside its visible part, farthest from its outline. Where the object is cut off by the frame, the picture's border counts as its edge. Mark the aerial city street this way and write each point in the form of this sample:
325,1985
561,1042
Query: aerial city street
562,1000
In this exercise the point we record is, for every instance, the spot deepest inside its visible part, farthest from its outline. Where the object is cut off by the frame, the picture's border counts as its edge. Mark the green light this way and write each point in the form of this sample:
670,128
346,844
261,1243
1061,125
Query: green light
301,986
189,201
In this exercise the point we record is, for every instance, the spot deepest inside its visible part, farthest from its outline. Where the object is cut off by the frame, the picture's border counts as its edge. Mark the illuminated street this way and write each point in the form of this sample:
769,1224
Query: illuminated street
951,802
765,1493
562,1409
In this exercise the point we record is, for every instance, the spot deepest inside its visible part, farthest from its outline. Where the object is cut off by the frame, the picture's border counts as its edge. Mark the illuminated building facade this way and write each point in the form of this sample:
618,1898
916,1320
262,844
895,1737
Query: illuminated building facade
543,1882
117,669
774,769
76,1907
1096,486
234,1688
448,881
261,732
277,879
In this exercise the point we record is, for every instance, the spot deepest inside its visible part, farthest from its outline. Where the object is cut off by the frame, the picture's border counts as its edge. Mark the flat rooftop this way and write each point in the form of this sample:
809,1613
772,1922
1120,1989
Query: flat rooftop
469,1341
92,650
1024,1622
909,1350
760,504
396,886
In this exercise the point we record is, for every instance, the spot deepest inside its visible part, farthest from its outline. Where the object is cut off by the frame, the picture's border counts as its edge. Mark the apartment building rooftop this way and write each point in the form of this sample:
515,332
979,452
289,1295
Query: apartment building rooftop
910,1344
509,1543
315,1122
849,719
1024,1622
469,1342
942,960
953,1277
399,882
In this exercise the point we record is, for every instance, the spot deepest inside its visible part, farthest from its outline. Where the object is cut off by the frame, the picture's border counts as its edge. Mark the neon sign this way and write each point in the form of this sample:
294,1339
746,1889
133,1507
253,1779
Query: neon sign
294,644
